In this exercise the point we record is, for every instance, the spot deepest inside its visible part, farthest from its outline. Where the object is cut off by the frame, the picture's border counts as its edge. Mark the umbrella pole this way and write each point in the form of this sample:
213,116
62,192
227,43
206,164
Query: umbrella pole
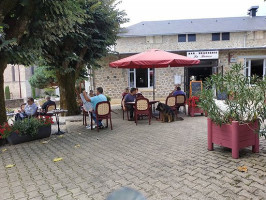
153,92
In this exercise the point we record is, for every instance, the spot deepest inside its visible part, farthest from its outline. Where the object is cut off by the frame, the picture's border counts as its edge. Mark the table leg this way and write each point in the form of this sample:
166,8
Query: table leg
59,132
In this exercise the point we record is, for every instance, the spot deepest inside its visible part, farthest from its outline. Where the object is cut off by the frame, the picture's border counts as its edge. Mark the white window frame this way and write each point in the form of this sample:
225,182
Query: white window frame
247,67
134,71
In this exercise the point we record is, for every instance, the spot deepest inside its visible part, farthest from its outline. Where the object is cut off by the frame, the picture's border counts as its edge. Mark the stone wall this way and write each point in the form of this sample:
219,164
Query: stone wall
203,41
115,80
14,103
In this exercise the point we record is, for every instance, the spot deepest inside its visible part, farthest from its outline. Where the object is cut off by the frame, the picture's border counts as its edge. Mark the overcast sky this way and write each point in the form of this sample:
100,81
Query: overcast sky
153,10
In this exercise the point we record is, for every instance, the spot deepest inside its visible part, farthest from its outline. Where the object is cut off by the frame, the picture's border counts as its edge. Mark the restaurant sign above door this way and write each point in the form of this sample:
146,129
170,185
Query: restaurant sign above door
203,54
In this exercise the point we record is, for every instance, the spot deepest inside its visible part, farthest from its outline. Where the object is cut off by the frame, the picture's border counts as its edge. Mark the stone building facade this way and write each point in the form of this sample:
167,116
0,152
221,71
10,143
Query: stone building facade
16,77
220,43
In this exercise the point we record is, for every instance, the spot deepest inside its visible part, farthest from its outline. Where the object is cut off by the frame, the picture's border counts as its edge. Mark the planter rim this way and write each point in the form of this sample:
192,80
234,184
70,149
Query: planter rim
236,122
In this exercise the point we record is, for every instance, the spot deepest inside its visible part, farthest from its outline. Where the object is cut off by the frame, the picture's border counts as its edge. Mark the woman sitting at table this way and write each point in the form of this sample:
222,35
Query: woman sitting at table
130,97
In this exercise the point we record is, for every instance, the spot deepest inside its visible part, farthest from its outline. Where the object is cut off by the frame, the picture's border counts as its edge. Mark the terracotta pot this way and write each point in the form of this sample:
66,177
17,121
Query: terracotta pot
195,110
43,132
235,136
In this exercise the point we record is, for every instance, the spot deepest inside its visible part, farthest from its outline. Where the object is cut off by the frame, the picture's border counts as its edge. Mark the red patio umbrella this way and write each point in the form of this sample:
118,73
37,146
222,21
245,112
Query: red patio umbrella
154,58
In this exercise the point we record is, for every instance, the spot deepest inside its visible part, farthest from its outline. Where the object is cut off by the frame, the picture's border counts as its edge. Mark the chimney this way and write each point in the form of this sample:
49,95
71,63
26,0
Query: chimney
252,11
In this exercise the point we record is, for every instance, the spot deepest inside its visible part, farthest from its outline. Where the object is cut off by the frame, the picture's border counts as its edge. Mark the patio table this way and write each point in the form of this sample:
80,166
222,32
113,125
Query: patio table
57,112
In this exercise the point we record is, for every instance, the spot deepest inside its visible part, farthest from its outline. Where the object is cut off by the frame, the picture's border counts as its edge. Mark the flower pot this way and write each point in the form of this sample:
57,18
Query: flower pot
43,132
194,110
3,142
235,136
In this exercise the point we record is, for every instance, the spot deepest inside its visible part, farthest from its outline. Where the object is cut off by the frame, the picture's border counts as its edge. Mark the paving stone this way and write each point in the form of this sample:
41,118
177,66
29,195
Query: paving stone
162,161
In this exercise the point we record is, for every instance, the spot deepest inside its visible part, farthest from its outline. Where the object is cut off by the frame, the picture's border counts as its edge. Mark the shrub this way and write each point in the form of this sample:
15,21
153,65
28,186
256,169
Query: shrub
7,92
245,103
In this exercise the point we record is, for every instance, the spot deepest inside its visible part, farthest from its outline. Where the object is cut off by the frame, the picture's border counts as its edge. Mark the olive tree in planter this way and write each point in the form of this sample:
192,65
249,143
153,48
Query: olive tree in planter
27,130
238,121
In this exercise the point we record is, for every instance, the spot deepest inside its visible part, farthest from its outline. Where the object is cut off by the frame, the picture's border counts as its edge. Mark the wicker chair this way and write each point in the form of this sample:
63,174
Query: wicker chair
142,108
85,114
50,108
181,101
103,111
171,102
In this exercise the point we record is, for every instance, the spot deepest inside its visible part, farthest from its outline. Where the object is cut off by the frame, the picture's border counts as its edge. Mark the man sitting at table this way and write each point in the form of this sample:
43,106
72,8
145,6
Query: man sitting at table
178,91
47,103
130,97
30,109
94,100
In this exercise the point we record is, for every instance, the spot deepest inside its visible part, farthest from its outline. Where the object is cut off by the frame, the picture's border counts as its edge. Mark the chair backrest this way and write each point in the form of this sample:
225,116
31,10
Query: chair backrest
50,107
139,96
22,106
142,104
103,108
180,99
170,101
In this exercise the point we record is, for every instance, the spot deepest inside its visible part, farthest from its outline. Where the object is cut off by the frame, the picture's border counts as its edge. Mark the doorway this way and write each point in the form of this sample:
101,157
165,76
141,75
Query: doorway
199,72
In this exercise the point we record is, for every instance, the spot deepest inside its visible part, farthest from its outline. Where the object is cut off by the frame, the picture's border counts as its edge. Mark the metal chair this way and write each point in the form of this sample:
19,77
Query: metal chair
103,111
142,108
181,101
123,109
171,102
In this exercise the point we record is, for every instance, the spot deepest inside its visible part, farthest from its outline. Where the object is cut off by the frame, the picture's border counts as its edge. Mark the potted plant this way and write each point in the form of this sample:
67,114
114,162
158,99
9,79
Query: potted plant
27,130
193,106
237,121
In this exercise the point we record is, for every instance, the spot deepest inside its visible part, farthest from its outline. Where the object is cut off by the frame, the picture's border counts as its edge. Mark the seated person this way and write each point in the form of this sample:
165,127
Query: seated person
30,109
91,94
178,91
47,103
94,100
125,92
138,94
130,97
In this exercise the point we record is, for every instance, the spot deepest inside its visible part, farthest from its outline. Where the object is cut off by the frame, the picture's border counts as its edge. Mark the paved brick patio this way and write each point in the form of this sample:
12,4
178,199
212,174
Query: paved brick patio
162,161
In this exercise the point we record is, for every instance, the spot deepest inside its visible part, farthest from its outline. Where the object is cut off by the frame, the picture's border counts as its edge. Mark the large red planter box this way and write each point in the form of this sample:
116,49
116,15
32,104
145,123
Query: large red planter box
235,136
195,110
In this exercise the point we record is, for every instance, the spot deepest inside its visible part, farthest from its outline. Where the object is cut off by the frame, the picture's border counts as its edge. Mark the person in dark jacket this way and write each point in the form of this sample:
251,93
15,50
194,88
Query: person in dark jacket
47,103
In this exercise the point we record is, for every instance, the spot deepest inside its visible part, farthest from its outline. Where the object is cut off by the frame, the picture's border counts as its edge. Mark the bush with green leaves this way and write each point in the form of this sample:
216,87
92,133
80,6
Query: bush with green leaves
245,103
7,92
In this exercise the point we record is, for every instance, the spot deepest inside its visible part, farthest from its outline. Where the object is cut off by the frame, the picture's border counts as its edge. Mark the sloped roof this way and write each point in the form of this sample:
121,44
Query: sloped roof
208,25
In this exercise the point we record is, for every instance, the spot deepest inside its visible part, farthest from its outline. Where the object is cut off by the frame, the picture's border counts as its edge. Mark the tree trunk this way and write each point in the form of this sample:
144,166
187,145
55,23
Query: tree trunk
3,65
68,100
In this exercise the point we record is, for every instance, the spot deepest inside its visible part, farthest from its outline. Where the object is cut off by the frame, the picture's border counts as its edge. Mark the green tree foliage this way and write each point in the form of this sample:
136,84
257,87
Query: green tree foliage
43,77
90,42
27,25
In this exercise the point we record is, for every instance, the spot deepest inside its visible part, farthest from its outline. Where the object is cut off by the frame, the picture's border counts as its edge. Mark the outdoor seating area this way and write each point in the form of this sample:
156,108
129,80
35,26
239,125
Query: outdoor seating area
132,100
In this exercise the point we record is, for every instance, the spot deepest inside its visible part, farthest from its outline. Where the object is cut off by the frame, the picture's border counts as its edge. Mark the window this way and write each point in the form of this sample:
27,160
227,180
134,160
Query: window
255,67
225,36
216,37
191,37
182,38
141,78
